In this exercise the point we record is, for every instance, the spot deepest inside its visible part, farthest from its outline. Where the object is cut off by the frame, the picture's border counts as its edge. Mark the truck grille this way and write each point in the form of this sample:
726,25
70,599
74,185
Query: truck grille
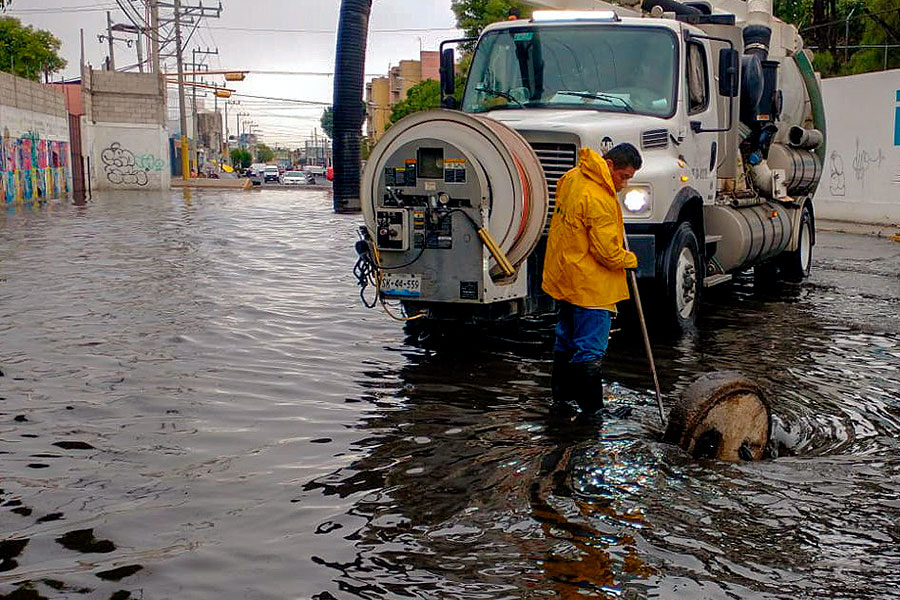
655,138
555,159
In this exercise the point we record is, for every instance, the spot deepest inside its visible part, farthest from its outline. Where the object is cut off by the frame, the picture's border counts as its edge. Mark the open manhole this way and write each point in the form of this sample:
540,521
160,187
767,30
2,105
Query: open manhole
723,416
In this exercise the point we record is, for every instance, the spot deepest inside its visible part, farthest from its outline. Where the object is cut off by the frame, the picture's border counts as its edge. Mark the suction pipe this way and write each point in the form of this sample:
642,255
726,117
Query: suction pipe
349,112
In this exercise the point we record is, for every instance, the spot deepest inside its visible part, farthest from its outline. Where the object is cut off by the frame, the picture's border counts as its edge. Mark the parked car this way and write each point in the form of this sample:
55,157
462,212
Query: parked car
270,173
293,178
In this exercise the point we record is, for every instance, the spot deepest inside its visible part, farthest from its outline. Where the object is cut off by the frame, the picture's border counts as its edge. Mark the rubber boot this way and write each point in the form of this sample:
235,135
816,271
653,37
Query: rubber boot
561,378
588,387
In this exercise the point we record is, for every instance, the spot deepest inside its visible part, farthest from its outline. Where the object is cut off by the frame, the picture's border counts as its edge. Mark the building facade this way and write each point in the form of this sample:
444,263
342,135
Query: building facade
382,93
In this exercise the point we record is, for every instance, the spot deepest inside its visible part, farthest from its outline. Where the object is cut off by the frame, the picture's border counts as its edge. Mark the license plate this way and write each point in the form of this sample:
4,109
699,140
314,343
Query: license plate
401,284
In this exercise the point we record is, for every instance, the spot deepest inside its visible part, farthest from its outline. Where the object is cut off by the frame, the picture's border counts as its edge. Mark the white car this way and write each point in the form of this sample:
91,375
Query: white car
293,178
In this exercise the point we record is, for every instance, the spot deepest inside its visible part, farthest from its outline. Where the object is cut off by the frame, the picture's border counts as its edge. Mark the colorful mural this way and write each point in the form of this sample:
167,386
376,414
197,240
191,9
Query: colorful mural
33,169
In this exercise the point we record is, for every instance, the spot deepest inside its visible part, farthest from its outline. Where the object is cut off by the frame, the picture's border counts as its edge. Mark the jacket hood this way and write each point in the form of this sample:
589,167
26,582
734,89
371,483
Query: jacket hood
594,166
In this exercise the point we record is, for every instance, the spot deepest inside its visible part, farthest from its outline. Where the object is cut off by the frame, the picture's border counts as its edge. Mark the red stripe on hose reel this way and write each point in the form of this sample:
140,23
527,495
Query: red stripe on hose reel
526,199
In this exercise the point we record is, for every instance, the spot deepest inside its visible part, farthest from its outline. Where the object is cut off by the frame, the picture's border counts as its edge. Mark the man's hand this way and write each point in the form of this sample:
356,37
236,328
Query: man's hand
631,261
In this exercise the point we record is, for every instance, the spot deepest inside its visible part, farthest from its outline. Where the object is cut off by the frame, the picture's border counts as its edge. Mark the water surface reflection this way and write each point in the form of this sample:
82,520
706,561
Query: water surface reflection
196,404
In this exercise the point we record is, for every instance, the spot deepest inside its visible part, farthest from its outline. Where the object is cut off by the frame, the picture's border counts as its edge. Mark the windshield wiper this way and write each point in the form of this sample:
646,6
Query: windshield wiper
498,93
598,96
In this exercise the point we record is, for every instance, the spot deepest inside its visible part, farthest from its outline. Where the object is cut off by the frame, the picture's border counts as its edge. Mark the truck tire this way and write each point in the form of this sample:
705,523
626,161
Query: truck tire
683,277
795,265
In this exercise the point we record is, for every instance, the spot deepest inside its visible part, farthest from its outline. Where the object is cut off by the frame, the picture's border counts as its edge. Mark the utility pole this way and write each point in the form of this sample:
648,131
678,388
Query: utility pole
109,38
195,66
140,51
185,163
316,145
237,126
154,34
194,151
227,154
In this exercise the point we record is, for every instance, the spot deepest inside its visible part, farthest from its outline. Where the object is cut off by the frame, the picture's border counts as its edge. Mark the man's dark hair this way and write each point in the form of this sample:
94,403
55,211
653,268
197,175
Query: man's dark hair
624,155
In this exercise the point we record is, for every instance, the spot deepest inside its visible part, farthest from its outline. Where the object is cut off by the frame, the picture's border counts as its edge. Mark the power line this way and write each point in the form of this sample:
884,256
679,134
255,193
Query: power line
331,31
283,99
65,9
305,73
844,20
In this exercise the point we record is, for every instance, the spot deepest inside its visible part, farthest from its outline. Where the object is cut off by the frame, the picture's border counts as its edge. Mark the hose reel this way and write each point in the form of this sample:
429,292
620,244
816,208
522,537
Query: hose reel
473,165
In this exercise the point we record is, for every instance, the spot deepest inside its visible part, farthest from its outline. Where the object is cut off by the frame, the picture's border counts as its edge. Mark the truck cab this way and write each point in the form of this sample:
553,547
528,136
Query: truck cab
602,80
569,79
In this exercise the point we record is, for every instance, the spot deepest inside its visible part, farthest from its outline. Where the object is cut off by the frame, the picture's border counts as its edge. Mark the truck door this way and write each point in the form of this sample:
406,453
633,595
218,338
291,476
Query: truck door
700,150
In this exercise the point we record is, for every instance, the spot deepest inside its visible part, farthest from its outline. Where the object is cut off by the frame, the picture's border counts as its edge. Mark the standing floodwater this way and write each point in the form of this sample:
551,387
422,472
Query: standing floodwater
195,404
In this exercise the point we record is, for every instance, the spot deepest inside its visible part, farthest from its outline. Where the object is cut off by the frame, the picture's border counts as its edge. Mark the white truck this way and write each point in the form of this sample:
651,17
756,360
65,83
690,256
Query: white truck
719,97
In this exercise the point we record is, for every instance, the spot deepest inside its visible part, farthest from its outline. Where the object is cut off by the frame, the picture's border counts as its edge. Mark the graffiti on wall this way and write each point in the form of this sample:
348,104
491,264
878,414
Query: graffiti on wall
863,161
838,185
33,169
122,167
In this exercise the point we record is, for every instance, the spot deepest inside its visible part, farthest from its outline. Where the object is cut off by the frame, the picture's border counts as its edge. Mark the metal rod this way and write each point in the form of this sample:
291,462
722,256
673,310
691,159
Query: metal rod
640,310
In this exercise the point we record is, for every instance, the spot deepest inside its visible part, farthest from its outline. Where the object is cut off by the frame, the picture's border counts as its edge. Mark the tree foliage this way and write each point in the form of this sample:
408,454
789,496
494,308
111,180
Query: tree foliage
823,24
828,26
240,158
472,16
264,154
327,121
425,95
28,52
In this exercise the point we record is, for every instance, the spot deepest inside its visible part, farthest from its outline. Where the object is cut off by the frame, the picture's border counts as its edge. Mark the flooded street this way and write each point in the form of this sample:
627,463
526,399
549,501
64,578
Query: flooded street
196,404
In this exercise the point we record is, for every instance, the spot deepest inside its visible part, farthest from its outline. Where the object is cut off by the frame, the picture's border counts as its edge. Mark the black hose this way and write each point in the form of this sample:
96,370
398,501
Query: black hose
671,6
756,40
349,111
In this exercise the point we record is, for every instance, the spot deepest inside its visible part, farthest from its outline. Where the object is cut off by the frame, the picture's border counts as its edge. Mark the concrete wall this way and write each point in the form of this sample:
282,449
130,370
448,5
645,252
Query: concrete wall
34,142
861,179
126,97
125,133
128,156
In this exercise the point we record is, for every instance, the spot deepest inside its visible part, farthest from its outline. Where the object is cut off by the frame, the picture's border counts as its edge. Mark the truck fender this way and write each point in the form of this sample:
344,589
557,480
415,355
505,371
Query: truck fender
679,202
796,215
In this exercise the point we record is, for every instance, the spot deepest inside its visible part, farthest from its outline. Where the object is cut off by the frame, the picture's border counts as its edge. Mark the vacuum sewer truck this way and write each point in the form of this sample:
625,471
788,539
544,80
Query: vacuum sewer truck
720,98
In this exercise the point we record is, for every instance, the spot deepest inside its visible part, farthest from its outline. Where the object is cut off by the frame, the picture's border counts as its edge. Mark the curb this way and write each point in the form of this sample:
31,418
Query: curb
871,229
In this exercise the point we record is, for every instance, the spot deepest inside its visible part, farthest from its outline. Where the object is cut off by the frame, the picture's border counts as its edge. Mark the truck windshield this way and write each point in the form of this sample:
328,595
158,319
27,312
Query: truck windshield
601,67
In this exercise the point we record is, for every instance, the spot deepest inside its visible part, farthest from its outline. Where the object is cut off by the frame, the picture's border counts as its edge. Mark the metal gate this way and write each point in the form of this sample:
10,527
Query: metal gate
78,186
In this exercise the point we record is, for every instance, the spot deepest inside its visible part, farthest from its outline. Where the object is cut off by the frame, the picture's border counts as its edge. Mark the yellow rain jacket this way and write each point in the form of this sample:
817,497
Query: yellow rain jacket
586,260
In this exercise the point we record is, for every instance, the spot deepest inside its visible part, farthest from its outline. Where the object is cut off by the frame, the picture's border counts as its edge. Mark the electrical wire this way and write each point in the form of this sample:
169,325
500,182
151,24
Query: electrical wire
330,31
368,268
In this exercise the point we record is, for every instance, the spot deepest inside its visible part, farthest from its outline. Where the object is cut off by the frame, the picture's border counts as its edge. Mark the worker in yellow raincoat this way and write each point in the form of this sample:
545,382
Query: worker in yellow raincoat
584,270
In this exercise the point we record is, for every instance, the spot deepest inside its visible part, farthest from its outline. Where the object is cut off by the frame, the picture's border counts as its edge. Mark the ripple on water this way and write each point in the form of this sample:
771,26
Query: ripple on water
216,415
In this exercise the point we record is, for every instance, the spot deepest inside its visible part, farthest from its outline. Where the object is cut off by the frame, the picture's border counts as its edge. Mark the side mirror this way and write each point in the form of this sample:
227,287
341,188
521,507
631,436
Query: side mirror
448,75
729,72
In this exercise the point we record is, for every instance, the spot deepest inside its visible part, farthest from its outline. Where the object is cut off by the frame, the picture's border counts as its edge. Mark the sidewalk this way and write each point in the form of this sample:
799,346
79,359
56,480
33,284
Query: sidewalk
885,231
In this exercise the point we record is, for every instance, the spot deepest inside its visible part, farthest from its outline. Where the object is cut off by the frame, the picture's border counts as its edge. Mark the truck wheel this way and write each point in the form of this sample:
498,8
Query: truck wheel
683,277
795,265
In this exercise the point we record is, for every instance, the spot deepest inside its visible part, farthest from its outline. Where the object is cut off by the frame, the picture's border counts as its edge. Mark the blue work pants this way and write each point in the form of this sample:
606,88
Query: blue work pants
582,332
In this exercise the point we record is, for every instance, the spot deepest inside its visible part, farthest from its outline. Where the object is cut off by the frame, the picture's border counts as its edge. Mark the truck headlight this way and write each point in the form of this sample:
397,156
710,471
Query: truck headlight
637,199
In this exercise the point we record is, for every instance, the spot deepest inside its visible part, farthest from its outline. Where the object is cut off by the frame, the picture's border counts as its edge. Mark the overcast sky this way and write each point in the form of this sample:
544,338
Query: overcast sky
310,47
